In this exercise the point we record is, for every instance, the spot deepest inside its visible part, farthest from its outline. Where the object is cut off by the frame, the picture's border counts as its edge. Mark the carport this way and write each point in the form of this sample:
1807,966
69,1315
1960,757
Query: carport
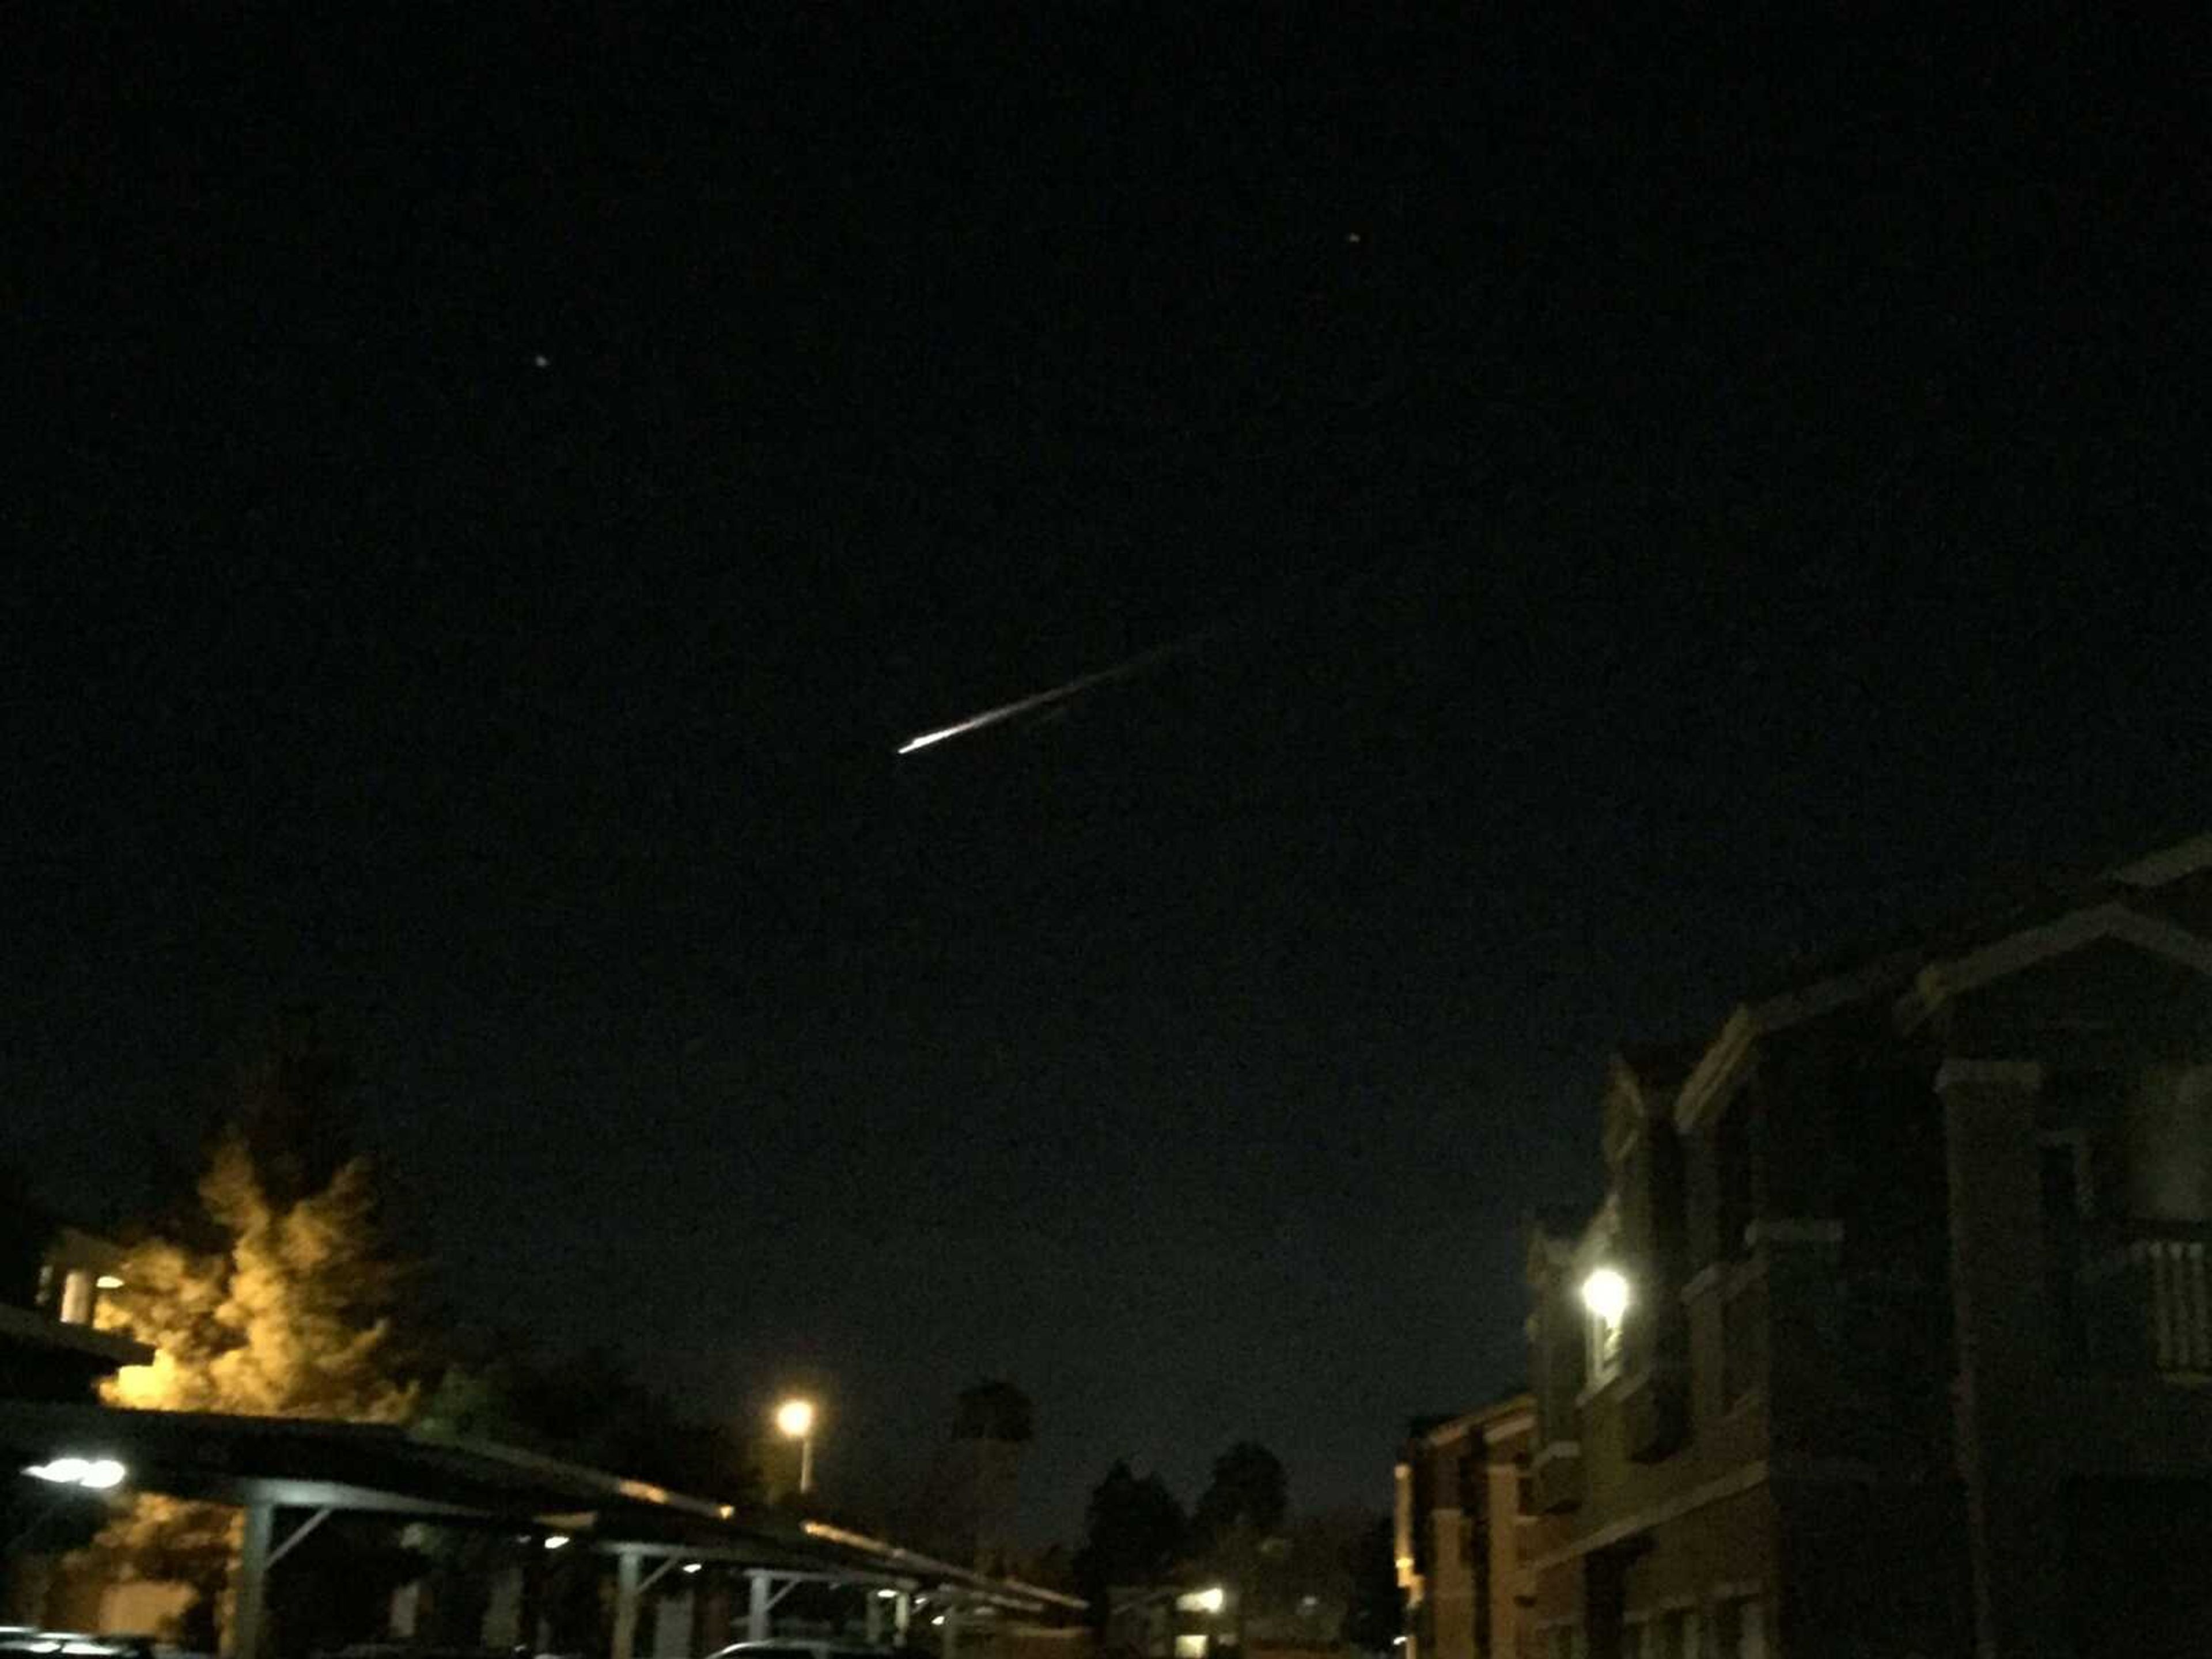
305,1471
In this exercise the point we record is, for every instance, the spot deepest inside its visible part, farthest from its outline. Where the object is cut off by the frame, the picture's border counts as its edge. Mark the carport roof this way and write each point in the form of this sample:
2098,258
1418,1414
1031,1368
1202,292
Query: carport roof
389,1469
375,1467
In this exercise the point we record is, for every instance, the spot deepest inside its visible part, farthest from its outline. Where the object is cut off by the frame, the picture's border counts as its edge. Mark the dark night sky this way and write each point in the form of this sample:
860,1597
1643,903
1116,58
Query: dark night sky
1665,496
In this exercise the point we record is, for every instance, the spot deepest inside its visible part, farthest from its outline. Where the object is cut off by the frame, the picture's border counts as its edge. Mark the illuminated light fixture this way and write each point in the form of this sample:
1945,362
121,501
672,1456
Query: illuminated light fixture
557,1540
93,1473
938,1619
795,1418
1212,1599
1605,1293
690,1566
107,1282
728,1509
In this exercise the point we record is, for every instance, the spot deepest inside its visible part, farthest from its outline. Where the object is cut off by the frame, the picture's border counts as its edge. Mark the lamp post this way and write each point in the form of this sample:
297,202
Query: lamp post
794,1419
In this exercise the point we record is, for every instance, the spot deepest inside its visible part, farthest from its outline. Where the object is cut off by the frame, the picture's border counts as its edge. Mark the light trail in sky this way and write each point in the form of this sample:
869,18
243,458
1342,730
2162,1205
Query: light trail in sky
1007,711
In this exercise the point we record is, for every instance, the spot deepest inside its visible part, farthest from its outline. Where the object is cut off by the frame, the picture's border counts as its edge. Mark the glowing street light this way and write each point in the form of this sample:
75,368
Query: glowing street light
794,1420
1605,1293
92,1473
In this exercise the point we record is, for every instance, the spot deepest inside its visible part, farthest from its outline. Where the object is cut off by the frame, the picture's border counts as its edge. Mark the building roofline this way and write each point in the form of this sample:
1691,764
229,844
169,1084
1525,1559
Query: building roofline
1925,968
2167,864
1456,1428
36,1330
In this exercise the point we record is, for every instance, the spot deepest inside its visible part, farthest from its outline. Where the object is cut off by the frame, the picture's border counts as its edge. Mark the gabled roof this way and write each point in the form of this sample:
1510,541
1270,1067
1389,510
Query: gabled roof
1922,963
1660,1065
1442,1431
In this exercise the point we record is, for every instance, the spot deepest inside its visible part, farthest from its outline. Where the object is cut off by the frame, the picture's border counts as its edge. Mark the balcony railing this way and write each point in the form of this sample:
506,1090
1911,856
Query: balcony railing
2145,1290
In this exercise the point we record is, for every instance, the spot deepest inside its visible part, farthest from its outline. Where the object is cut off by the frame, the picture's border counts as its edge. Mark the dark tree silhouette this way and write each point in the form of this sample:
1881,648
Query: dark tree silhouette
992,1410
1375,1613
1134,1534
1249,1492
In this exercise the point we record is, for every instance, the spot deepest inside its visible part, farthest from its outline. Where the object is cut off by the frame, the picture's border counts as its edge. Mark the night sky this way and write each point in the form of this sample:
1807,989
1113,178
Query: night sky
1652,499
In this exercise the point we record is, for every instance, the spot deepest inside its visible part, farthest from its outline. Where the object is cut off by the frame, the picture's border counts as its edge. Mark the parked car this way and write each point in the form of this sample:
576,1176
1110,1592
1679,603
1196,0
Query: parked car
806,1647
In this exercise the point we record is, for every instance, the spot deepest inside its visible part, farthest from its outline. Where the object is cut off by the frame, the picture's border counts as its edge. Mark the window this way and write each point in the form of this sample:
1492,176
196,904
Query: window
2063,1169
1607,1334
1566,1356
1605,1298
1676,1635
1739,1629
1732,1194
77,1295
1743,1340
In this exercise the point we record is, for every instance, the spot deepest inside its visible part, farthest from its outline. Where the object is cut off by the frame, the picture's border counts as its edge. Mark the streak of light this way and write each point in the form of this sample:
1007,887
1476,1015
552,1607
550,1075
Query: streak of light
1007,711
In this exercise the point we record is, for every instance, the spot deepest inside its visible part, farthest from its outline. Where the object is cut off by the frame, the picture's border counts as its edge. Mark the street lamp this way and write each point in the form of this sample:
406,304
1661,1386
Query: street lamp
92,1473
794,1419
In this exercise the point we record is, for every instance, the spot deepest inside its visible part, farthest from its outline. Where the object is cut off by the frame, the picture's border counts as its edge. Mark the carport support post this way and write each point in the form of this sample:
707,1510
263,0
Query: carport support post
902,1613
248,1616
757,1612
875,1612
530,1601
949,1648
625,1642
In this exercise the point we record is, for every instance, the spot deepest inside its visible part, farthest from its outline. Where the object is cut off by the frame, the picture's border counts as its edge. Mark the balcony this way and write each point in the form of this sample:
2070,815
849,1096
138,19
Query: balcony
2144,1299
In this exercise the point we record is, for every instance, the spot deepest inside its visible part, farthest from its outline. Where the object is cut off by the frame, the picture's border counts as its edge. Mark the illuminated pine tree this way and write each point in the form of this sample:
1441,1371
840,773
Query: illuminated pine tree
281,1306
291,1317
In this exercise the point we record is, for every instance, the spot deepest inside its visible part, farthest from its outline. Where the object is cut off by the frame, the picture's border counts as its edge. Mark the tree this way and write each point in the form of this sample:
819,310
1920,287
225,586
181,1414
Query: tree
271,1293
1377,1613
290,1316
1249,1492
587,1408
1236,1525
993,1409
1135,1532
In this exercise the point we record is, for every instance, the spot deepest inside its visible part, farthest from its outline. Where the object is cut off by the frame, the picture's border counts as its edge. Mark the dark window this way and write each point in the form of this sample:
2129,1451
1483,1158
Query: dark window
1743,1341
2062,1167
1732,1170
